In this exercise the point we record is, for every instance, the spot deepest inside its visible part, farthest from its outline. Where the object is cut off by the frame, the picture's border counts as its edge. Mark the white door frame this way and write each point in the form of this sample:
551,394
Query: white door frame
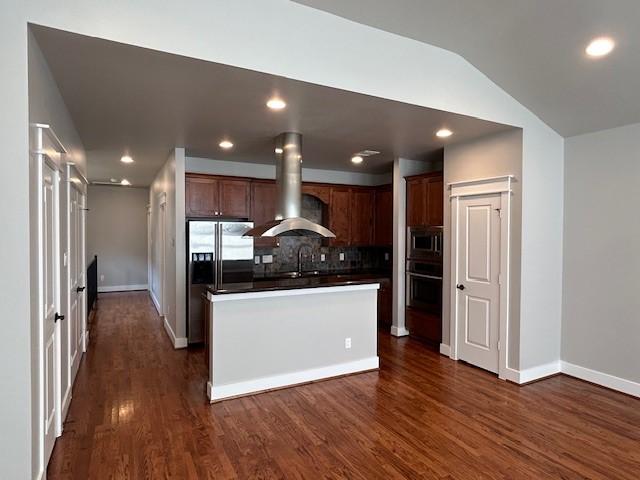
162,236
483,186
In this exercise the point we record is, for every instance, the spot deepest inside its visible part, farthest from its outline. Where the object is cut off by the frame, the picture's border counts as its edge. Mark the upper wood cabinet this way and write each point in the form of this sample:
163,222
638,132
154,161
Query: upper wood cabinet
384,216
202,196
425,204
208,196
322,192
362,208
263,208
235,198
340,215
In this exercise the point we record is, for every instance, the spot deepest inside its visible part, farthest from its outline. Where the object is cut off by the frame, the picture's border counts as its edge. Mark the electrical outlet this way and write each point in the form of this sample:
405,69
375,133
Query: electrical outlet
342,256
101,278
386,256
322,257
267,258
256,259
347,343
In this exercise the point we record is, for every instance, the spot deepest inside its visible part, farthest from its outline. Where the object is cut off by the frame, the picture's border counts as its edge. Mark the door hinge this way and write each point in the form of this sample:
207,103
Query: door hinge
498,345
499,210
499,279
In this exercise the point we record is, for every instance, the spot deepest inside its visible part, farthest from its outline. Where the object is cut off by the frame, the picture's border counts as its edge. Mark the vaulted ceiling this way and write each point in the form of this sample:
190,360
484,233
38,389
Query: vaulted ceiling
533,49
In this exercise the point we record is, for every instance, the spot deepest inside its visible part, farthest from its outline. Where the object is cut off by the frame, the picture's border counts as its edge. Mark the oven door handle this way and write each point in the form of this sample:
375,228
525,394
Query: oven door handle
422,275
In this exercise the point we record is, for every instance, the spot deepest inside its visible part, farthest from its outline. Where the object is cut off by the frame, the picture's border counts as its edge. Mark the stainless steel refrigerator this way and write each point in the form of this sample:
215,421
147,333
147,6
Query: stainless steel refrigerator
217,255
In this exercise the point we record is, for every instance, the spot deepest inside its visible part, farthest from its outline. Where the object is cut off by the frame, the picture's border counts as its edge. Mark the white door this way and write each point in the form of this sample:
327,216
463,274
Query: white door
50,317
74,327
478,289
81,291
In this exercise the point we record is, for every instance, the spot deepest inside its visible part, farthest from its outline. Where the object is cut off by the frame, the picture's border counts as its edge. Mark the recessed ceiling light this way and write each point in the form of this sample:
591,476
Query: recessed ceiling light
276,103
444,133
599,47
279,150
126,159
356,159
125,182
226,144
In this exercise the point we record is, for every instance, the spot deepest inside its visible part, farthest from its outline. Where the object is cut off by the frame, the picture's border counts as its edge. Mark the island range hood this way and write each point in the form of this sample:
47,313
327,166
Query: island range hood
288,221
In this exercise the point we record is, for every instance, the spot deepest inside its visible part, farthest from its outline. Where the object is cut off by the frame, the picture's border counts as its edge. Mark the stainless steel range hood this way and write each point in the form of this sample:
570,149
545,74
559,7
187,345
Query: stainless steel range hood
288,219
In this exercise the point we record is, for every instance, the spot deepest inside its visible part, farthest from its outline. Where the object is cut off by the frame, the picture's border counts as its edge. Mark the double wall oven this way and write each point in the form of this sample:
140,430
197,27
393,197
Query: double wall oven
424,283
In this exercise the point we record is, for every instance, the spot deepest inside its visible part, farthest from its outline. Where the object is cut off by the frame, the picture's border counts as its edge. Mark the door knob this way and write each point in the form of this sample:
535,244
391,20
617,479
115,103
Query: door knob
80,289
460,287
57,317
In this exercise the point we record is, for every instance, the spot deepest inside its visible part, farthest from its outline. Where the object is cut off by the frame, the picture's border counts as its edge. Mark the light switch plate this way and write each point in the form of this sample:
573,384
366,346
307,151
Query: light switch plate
256,259
267,258
342,256
386,256
322,257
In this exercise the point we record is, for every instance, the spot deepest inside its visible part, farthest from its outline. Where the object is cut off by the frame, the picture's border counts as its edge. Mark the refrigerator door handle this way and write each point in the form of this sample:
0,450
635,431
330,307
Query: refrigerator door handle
219,253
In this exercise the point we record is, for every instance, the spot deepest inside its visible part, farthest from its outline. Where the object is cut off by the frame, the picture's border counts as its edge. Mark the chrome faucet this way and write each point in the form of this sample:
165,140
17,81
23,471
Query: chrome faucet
300,249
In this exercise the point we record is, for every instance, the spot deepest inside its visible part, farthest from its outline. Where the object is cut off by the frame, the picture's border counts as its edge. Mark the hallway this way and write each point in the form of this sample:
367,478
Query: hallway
139,410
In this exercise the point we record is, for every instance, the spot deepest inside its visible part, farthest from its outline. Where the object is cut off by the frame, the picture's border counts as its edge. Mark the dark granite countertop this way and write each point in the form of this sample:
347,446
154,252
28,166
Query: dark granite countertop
329,279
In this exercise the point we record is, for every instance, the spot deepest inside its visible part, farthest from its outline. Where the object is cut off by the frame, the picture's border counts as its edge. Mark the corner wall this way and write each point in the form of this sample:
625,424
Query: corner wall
169,184
490,156
600,322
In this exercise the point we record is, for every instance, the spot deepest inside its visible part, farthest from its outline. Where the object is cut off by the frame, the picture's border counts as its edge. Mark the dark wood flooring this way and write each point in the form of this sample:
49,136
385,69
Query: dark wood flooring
139,410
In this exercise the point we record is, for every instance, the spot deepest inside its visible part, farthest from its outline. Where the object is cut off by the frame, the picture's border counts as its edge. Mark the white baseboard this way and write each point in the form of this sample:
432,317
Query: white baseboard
122,288
603,379
66,403
178,342
445,350
220,392
156,303
399,331
536,373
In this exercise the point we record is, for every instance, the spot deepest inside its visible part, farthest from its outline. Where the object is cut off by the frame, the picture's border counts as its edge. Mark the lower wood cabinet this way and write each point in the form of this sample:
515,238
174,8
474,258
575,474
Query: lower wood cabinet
424,326
385,304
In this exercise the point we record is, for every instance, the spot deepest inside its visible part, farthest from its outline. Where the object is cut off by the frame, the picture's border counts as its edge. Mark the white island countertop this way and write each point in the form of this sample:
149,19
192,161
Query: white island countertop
266,339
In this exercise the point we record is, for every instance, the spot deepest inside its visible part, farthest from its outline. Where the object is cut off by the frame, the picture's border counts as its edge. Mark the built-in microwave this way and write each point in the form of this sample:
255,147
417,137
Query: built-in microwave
424,243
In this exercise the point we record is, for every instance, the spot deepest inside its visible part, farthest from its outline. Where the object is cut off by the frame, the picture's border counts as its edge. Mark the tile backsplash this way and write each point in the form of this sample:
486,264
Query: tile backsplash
285,256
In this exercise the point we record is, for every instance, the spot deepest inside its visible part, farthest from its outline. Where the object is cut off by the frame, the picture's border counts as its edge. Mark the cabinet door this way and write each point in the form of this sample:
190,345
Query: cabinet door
384,217
385,302
340,215
263,209
202,197
362,206
234,198
435,201
321,192
416,202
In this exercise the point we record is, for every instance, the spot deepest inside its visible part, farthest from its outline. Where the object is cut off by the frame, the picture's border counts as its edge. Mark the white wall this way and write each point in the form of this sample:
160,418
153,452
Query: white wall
354,57
45,106
169,184
117,233
489,156
600,322
257,170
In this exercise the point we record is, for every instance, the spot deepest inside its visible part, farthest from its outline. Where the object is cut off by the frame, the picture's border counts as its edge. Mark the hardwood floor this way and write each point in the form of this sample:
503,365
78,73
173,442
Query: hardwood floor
139,410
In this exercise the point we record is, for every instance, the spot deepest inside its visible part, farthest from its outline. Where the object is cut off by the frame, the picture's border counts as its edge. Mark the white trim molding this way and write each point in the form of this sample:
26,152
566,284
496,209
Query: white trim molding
445,350
122,288
399,331
221,392
177,342
226,297
484,186
600,378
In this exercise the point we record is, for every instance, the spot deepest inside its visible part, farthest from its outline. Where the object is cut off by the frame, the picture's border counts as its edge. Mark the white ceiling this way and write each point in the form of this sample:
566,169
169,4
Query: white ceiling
533,49
125,98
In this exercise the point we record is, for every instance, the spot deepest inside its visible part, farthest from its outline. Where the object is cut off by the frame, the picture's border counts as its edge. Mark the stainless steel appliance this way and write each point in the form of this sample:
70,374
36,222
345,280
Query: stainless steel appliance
424,243
288,219
424,283
424,286
218,253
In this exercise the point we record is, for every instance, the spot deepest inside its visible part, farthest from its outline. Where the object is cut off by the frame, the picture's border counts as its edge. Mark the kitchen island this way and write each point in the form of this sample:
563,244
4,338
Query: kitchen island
276,333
